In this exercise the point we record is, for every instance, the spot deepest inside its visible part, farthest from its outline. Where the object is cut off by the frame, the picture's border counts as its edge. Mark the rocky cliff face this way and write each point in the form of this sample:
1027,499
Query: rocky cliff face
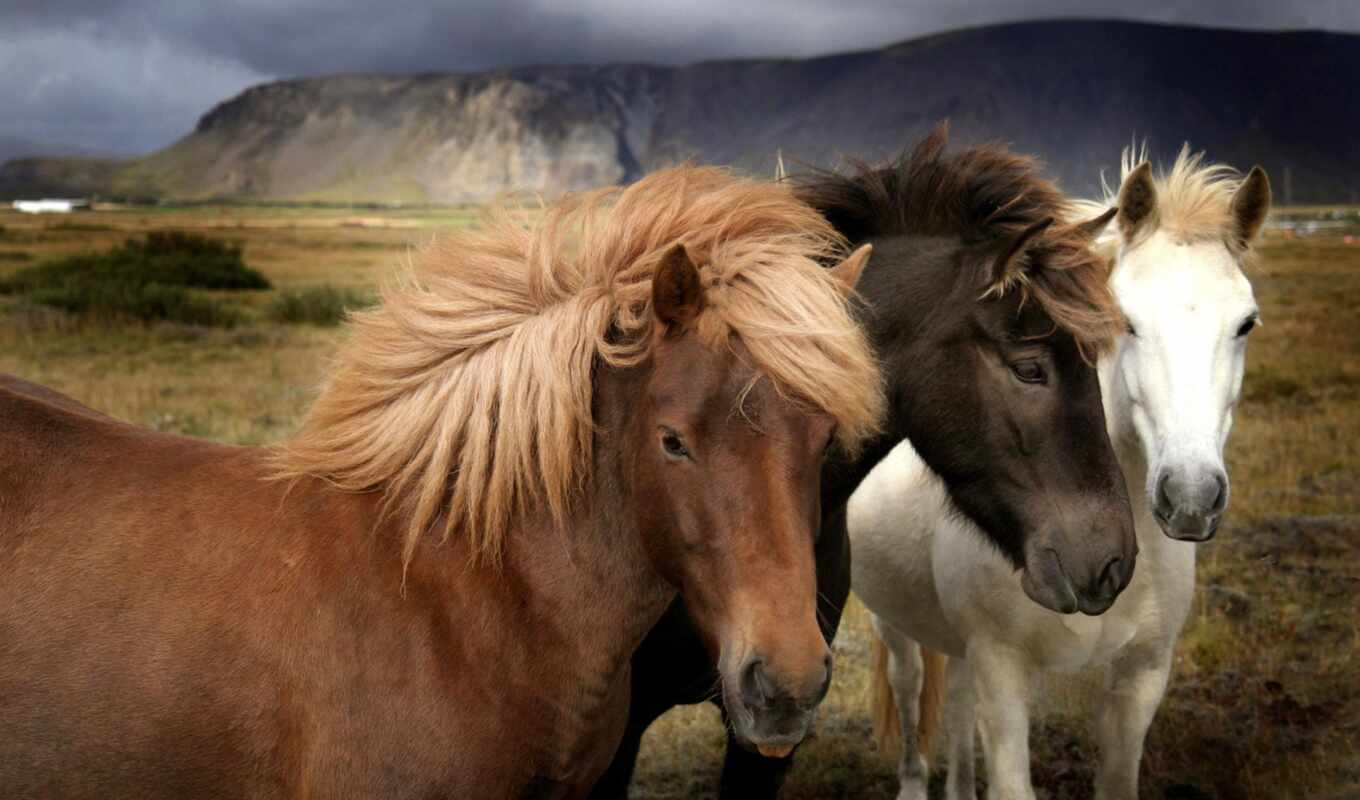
427,138
1073,93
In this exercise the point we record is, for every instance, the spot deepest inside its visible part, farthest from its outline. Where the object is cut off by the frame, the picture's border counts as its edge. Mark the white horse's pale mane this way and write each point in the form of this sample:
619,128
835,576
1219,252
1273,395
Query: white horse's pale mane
1194,199
466,397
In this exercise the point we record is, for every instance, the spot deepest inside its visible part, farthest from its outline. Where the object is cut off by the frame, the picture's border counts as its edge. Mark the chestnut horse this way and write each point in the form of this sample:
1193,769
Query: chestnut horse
987,315
434,589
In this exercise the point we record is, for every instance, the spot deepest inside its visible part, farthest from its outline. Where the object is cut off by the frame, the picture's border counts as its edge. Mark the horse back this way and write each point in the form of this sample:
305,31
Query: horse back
96,611
61,461
16,387
175,623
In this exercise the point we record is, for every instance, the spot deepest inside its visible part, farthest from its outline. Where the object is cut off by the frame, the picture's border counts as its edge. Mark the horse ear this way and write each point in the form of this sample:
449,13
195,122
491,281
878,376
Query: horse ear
1250,204
848,271
1010,264
1137,200
1091,228
677,294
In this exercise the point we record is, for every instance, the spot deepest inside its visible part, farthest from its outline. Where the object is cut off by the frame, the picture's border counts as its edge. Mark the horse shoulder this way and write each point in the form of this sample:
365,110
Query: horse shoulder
894,520
1163,586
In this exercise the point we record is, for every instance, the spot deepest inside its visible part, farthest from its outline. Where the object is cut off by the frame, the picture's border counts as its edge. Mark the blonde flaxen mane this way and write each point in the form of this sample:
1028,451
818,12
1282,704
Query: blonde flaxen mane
1194,199
467,393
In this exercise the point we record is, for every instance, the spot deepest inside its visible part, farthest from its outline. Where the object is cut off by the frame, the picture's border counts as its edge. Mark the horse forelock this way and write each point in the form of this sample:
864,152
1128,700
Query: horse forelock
467,394
983,195
1194,197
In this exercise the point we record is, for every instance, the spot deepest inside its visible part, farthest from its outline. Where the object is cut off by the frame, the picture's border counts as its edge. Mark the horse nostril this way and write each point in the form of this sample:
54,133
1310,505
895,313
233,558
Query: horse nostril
1109,576
1220,499
1046,583
826,678
755,684
1163,499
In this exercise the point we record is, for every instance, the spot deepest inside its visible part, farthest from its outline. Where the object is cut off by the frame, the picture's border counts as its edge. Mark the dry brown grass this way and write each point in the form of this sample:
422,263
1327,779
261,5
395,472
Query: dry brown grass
248,385
1263,703
293,246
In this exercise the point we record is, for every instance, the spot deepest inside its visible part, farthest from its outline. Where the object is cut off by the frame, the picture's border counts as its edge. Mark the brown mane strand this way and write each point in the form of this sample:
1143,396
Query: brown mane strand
985,195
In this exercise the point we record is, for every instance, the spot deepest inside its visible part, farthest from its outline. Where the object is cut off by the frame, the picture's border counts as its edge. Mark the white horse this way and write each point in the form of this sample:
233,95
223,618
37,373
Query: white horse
1169,387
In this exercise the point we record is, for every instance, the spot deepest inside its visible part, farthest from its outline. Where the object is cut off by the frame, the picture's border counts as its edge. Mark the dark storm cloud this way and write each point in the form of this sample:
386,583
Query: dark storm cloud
131,76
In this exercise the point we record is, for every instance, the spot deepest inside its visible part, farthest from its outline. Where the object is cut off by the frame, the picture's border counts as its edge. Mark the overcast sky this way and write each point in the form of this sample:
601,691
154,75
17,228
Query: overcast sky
131,77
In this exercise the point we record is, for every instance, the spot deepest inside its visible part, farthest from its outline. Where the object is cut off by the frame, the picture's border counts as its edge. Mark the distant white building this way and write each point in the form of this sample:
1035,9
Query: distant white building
48,206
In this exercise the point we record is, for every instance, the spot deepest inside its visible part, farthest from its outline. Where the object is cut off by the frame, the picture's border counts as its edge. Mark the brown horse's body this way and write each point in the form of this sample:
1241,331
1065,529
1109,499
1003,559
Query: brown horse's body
266,647
596,424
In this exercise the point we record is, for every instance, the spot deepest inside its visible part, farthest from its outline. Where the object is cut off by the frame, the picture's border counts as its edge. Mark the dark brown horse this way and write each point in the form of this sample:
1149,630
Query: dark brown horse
629,399
986,314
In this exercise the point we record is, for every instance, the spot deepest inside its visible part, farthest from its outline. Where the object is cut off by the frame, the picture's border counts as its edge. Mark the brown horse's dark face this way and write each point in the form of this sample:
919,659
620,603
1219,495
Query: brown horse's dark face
725,476
1052,473
1001,404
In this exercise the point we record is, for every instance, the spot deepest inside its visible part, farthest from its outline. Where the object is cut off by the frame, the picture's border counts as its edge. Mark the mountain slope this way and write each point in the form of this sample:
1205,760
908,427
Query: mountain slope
1072,92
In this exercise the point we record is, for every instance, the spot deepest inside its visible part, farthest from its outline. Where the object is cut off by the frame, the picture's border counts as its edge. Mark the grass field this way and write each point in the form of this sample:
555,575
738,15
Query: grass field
1265,699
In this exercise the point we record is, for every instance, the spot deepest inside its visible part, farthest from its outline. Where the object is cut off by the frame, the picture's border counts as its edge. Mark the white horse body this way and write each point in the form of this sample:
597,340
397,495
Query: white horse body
933,581
930,579
925,571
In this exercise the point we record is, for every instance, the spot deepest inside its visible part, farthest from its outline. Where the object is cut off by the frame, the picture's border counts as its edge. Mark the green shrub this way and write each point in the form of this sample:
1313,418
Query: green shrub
318,305
169,258
148,303
146,279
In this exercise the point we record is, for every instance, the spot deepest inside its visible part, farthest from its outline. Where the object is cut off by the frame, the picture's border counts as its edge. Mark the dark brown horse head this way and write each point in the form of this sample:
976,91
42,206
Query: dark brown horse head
724,468
1046,470
987,314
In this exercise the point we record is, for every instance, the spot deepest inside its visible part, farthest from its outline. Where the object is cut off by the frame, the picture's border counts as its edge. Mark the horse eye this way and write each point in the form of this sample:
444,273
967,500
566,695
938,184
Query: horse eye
1132,330
673,445
1029,371
1247,327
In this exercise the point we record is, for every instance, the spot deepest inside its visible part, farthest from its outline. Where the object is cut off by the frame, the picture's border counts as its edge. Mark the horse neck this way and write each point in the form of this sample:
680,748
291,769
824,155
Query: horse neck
566,609
908,279
592,583
841,477
596,573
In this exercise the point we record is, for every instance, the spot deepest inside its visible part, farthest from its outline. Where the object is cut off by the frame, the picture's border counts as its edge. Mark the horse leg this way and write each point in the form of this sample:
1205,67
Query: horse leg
905,675
1001,683
747,774
1134,686
961,727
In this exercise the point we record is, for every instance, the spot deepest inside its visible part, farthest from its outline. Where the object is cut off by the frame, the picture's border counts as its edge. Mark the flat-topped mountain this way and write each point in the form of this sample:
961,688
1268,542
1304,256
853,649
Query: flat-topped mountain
1072,92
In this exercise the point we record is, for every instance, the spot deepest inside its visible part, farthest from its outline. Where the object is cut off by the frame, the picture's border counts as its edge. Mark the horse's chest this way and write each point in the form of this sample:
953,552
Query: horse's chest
577,739
1076,641
1093,641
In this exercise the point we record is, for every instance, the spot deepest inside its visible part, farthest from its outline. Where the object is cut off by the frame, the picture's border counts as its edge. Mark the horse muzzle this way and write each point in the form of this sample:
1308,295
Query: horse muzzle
1188,504
1086,579
770,714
